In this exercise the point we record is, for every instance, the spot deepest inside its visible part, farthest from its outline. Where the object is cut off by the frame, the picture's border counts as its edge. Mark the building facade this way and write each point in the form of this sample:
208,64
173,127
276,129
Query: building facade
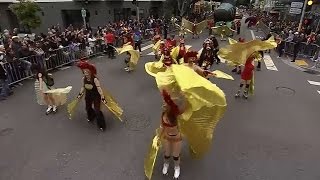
99,13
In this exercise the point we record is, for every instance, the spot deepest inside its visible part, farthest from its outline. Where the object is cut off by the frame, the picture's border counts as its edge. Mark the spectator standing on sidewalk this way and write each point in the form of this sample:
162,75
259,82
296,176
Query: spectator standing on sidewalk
4,83
137,40
109,39
297,40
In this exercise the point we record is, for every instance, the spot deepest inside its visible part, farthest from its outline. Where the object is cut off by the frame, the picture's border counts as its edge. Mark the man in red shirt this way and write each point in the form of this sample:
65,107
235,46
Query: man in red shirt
109,39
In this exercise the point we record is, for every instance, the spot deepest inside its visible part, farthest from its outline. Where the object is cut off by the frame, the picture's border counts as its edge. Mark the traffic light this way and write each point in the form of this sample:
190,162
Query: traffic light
310,2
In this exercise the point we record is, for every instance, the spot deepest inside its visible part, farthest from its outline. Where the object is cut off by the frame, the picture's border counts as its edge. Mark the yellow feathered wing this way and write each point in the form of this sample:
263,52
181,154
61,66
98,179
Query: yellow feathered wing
156,46
135,55
238,53
201,26
223,30
222,75
207,104
71,108
187,25
112,105
151,157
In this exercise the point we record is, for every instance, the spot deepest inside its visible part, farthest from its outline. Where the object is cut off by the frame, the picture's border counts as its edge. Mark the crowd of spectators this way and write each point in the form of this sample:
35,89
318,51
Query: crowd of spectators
47,49
305,42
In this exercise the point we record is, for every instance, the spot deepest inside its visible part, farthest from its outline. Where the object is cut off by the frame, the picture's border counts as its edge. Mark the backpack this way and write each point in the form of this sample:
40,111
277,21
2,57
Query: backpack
49,80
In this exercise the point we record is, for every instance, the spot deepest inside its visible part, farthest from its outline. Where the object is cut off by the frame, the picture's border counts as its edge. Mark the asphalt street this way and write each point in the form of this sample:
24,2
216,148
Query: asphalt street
271,136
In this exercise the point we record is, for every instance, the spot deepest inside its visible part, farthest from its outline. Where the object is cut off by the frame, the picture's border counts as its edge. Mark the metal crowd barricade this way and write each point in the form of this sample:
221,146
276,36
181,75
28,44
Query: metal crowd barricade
288,48
308,50
20,69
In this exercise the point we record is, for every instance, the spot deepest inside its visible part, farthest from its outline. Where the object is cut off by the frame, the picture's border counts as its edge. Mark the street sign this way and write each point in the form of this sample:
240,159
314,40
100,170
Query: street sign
279,6
83,12
296,4
295,11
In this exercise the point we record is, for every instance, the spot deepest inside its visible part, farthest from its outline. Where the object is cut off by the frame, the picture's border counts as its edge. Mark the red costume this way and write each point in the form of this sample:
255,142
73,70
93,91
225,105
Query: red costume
247,72
182,49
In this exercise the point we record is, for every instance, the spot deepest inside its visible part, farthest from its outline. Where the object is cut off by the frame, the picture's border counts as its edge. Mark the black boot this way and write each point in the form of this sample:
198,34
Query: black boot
100,121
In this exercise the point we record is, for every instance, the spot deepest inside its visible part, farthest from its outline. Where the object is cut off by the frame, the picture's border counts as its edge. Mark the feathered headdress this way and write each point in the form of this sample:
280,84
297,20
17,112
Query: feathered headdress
86,65
190,54
167,57
241,40
173,107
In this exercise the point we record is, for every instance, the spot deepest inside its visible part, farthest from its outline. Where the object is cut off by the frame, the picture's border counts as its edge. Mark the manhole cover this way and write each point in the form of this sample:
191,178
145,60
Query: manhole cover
6,131
137,122
286,91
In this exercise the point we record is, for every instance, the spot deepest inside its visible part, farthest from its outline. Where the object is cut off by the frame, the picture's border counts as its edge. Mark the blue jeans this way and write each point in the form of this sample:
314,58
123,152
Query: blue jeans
4,84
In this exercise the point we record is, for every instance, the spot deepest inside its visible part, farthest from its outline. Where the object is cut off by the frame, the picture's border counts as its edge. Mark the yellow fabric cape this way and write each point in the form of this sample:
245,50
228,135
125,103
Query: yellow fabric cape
175,53
60,95
206,104
111,104
222,75
189,26
223,30
238,53
156,46
134,54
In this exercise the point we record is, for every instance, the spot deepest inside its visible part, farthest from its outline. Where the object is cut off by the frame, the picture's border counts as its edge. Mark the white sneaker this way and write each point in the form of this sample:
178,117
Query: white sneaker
54,109
126,68
176,172
49,110
165,168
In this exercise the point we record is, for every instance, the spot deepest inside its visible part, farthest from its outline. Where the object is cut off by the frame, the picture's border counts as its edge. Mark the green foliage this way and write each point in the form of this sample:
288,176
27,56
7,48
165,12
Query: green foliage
27,13
243,2
170,8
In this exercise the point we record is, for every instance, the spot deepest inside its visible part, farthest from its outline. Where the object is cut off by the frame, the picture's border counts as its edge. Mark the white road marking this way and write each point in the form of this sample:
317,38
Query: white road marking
146,47
269,63
319,92
64,68
151,54
252,34
314,83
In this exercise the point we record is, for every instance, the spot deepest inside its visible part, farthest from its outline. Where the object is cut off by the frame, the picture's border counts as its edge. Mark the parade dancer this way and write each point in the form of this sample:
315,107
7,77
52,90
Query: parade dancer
128,40
182,50
190,58
246,76
207,55
172,140
244,54
45,92
237,68
194,30
93,94
187,112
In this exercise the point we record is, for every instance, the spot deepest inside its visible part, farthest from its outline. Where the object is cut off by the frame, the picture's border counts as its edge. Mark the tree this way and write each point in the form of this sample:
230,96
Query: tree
183,5
27,13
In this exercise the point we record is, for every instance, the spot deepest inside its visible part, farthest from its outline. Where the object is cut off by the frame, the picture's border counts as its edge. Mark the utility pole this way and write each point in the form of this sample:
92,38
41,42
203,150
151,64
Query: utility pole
84,15
135,2
302,14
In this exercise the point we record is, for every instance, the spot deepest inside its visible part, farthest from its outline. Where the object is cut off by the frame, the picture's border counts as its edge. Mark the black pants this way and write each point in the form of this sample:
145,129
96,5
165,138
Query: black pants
295,54
259,65
238,30
137,44
110,50
95,112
